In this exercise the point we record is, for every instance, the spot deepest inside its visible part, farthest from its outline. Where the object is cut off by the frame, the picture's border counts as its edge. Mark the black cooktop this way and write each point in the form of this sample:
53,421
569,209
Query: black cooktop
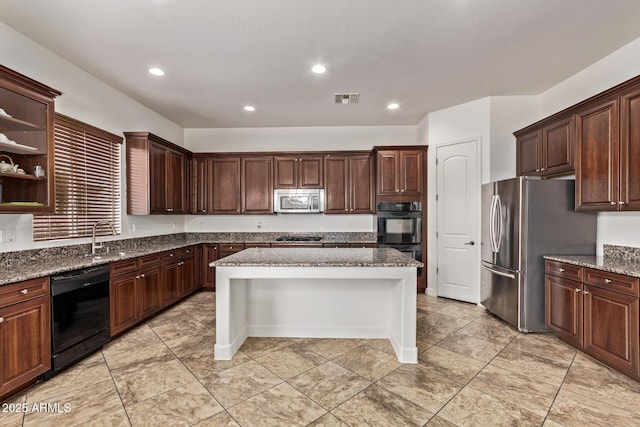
298,239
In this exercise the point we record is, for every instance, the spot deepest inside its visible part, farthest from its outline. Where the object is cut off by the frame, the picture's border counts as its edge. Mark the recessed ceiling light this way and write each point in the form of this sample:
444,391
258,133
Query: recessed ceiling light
319,69
393,106
249,108
156,71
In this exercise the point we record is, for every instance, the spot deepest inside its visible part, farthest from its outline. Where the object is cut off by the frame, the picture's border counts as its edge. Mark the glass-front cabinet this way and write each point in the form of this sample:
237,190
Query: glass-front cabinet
26,144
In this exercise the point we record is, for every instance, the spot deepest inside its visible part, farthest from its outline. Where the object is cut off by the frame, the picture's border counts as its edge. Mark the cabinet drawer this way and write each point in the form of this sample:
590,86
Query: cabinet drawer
171,255
569,271
230,247
23,291
148,260
613,281
122,267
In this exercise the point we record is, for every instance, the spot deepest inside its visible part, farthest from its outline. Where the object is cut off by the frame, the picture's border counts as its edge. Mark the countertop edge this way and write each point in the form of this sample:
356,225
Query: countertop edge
629,268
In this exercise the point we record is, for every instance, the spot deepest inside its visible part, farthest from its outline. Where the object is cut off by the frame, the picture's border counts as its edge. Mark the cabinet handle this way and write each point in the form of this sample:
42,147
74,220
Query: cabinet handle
402,191
350,210
137,277
142,275
542,170
607,280
621,202
585,292
170,255
169,210
577,290
397,191
613,203
24,291
181,263
537,170
204,211
1,319
561,270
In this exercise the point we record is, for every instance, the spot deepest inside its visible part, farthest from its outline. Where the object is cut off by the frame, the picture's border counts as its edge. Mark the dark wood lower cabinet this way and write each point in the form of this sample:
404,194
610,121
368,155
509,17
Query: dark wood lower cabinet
25,342
611,328
143,286
599,320
210,254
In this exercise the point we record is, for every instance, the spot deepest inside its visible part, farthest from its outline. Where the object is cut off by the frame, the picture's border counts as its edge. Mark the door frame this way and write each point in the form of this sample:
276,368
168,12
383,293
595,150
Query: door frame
432,278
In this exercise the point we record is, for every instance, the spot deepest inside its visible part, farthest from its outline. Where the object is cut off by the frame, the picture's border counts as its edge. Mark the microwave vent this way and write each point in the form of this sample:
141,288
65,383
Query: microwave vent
346,98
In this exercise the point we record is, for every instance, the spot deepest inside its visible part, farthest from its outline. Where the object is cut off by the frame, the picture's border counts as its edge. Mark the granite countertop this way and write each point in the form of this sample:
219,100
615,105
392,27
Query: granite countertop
317,257
616,259
32,264
614,265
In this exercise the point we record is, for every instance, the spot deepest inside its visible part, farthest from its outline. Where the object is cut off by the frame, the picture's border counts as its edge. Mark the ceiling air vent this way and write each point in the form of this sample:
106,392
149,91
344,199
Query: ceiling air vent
346,98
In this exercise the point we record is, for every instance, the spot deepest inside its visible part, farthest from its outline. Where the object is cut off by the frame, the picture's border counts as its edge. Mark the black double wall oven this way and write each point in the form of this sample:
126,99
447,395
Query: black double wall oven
400,227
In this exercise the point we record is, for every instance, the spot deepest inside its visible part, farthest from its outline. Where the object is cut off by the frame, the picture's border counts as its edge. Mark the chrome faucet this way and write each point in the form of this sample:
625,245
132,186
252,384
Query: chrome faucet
95,245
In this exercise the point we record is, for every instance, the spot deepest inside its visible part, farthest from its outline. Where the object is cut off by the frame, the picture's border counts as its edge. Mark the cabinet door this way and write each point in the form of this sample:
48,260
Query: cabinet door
411,172
597,157
361,184
224,185
630,149
149,292
336,189
25,342
611,328
310,172
285,172
176,188
199,186
557,147
171,283
122,300
528,152
210,254
388,164
198,268
563,309
157,178
188,274
257,185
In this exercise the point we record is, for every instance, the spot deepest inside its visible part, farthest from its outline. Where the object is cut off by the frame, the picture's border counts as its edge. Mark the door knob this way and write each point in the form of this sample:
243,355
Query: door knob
471,243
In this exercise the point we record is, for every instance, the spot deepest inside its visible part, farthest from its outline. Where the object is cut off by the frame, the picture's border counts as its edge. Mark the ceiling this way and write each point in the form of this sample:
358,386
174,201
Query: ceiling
423,54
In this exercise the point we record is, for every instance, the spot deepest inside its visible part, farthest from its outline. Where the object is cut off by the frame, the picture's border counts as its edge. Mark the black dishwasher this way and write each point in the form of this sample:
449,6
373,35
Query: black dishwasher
79,315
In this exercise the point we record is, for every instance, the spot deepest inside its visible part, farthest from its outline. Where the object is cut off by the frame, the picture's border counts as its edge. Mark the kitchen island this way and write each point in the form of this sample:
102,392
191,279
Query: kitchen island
316,293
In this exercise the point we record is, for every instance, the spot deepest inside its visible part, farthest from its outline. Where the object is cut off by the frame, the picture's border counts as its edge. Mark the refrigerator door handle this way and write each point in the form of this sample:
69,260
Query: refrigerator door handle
499,273
498,222
492,224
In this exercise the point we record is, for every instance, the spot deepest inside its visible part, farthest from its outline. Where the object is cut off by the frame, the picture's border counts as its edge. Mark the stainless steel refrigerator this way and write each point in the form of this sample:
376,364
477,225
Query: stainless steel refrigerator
522,220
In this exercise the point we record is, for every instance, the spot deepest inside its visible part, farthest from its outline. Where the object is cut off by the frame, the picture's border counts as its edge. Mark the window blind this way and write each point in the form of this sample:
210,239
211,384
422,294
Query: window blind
87,182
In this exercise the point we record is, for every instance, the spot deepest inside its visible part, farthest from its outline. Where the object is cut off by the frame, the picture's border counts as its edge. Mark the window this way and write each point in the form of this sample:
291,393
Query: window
87,182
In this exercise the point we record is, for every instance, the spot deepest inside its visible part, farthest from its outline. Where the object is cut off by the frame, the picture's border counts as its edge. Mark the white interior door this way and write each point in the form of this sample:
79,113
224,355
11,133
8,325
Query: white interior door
458,186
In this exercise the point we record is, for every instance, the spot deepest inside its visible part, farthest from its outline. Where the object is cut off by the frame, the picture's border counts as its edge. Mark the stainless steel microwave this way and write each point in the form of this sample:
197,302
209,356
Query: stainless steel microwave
298,201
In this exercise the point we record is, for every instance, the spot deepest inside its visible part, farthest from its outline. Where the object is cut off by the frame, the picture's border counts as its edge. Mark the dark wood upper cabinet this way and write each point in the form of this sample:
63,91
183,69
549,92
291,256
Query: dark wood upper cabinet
349,184
528,150
199,185
223,183
257,185
597,160
546,149
29,122
298,171
157,175
630,149
400,172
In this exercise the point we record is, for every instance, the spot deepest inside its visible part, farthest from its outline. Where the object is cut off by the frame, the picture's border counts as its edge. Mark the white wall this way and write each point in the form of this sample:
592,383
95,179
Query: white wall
297,138
90,100
508,114
617,228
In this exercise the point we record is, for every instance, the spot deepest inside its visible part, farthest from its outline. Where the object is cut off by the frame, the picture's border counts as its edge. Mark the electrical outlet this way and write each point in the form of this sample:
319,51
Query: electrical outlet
7,236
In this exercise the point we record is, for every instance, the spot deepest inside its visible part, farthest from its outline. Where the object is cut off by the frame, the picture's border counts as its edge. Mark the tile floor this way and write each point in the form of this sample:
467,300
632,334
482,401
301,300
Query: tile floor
474,371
